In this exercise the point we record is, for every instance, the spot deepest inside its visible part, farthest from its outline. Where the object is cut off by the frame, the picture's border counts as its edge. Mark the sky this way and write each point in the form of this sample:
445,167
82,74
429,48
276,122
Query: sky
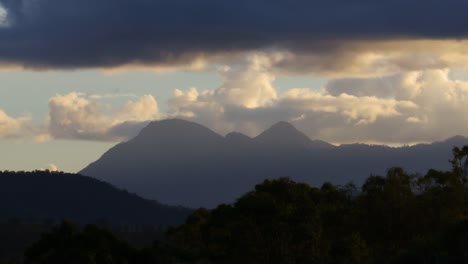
79,76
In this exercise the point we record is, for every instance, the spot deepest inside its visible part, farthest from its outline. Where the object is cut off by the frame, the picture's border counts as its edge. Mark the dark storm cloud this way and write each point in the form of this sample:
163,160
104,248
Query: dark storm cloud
104,33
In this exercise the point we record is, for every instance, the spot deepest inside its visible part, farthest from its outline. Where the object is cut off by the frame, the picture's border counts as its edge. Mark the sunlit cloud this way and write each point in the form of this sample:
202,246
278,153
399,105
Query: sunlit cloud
11,127
406,107
73,116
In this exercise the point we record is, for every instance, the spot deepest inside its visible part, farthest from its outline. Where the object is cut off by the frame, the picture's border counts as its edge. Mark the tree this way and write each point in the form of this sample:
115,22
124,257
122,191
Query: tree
68,244
459,154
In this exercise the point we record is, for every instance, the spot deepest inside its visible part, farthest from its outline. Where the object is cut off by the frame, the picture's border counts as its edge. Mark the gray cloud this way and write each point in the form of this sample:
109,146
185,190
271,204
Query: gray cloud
109,33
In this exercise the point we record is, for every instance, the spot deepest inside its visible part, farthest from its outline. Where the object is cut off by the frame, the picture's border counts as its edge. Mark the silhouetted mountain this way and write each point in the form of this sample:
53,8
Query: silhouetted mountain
285,135
43,195
177,131
182,163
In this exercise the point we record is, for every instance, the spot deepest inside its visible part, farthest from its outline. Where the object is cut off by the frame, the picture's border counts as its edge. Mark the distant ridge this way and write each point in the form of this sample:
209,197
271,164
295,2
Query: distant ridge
456,140
183,163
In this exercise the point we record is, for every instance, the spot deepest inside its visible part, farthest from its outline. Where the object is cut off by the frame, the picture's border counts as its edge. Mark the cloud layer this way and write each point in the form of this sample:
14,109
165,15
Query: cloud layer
403,107
111,33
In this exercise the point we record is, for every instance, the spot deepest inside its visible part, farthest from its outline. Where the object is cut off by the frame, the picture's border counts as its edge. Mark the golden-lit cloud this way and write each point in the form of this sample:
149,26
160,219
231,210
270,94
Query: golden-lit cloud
11,127
337,59
370,58
73,116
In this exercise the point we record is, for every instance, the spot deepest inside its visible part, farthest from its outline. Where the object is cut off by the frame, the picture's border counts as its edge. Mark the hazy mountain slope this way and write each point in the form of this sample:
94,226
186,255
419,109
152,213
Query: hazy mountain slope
49,195
182,163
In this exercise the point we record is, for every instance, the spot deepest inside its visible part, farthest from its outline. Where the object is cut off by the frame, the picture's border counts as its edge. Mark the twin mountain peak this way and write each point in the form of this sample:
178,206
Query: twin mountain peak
281,134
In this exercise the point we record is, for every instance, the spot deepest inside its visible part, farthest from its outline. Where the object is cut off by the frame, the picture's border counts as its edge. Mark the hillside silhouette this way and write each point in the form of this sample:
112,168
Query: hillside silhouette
396,218
45,195
179,162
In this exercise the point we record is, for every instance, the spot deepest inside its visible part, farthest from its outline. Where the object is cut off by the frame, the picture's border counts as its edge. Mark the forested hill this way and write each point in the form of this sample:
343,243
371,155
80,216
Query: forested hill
397,218
40,195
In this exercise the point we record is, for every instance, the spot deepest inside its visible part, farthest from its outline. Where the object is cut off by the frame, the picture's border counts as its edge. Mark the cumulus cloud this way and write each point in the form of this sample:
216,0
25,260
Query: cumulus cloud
73,116
429,106
362,109
247,100
12,127
407,107
246,85
188,34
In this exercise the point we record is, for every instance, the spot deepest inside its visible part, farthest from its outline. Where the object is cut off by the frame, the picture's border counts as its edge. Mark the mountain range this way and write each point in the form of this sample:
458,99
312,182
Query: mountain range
178,162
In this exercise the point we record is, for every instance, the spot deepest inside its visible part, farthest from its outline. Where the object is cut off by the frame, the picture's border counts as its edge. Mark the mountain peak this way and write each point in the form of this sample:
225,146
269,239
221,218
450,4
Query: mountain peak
283,125
284,134
176,129
236,136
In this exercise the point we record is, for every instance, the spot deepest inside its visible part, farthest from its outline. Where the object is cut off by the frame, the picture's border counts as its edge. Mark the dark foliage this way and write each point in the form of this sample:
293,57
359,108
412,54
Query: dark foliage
398,218
56,195
67,244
